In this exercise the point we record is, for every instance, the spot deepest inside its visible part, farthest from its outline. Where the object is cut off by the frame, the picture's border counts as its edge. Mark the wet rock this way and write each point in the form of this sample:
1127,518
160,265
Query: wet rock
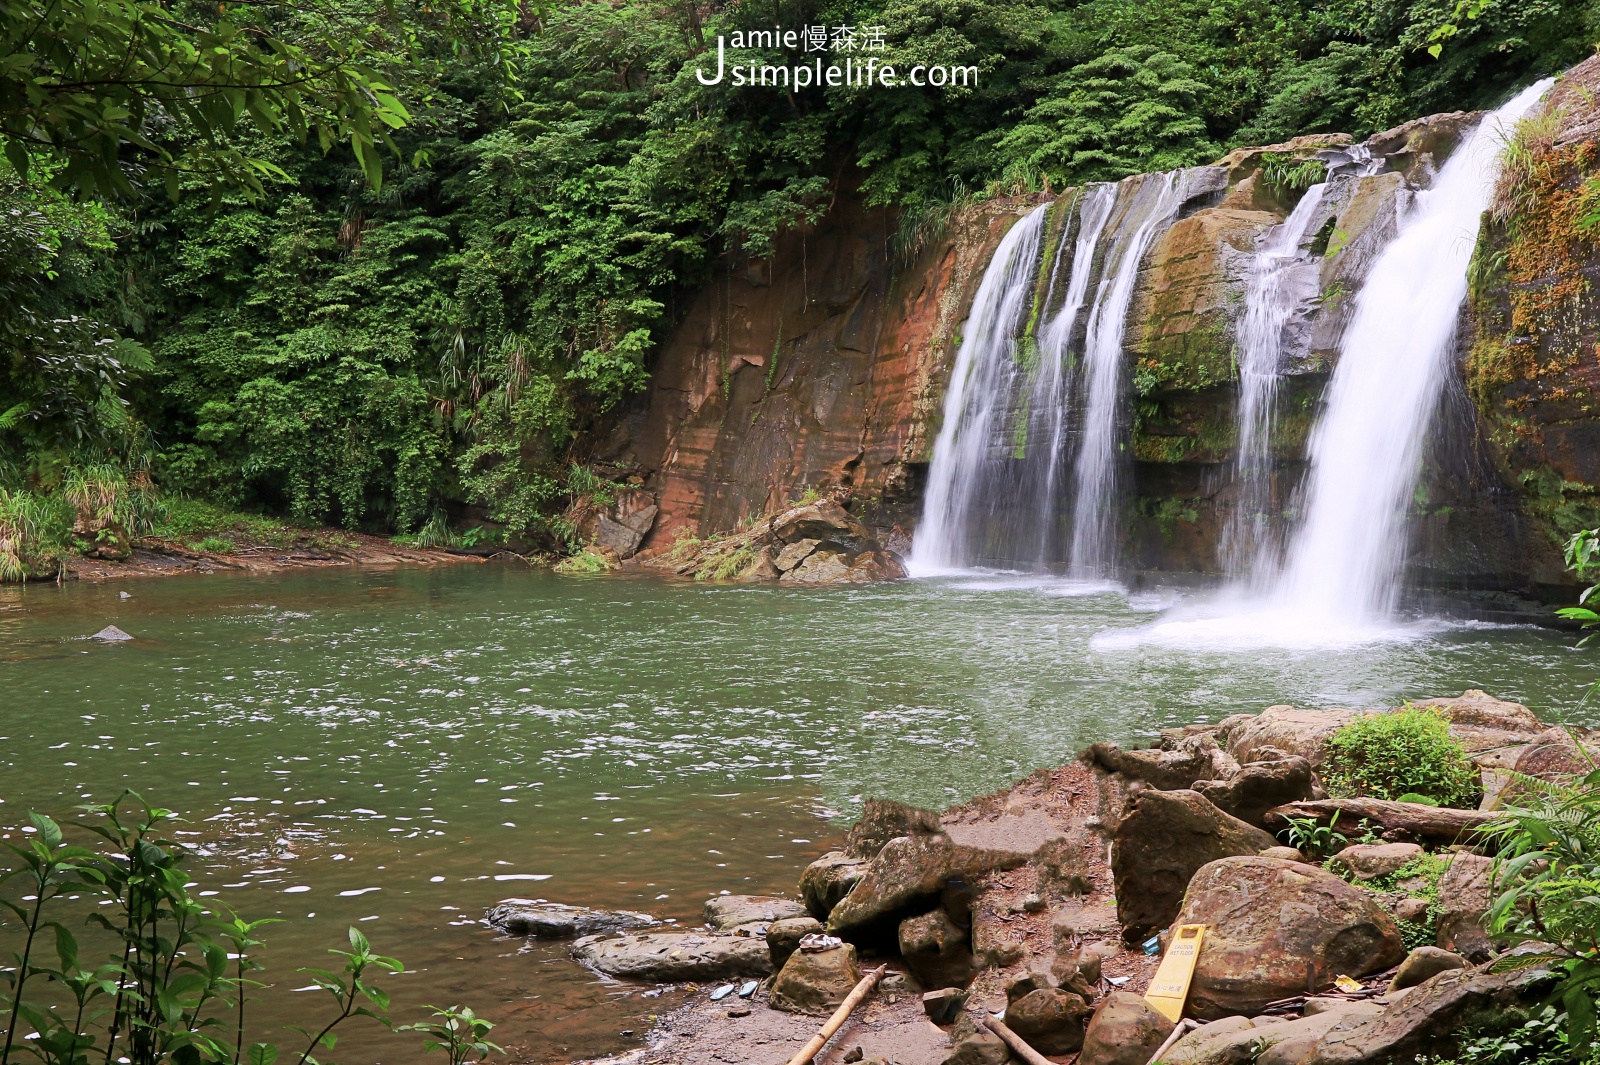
1050,1020
936,950
1260,786
1433,1015
913,870
944,1005
821,567
824,544
671,957
783,937
815,983
1280,928
828,880
1124,1031
1368,861
882,820
728,912
794,554
1292,730
1162,840
554,920
1464,897
625,523
1424,963
111,634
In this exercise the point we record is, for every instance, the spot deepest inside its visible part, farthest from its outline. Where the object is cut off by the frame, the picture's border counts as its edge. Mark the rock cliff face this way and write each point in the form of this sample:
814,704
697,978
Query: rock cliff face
825,366
820,367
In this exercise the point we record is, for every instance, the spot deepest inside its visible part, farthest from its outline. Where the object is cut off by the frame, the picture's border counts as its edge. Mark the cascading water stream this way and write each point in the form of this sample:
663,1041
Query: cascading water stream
1153,209
1366,451
978,399
1282,278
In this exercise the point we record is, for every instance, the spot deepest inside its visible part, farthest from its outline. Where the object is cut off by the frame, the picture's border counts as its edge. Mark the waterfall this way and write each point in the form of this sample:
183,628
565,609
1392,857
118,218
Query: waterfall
1154,206
1281,279
1366,449
977,403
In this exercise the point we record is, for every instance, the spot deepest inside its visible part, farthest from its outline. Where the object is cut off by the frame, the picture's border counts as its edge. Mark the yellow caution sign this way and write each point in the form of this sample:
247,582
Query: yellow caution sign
1169,990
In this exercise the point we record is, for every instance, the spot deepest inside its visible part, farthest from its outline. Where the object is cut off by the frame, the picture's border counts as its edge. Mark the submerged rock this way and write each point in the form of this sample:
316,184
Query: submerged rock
1277,928
554,920
671,957
1163,840
111,634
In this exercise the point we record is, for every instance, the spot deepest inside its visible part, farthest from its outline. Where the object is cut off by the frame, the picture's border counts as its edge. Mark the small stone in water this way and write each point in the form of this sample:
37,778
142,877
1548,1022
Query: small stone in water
722,992
748,989
111,634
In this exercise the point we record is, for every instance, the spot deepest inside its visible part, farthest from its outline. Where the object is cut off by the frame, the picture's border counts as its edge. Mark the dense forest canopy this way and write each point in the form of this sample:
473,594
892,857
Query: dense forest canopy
387,261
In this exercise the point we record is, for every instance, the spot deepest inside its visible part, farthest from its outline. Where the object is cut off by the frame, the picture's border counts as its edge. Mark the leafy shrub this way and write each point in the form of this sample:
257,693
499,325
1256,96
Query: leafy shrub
215,545
1285,173
1385,756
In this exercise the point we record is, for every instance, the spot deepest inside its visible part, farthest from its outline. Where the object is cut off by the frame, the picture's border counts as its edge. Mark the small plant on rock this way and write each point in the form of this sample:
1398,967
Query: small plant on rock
1313,839
1385,756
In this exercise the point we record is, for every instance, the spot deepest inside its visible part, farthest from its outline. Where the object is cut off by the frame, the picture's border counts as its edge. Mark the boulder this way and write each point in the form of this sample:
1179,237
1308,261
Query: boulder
1124,1031
794,554
1411,910
624,524
1276,929
555,920
1464,898
1287,854
1260,786
944,1005
1432,1016
1480,722
882,820
1425,963
1192,758
828,880
1292,730
979,1048
783,937
1050,1020
1556,755
823,544
1235,1041
815,983
728,912
912,871
673,957
1368,861
936,950
1288,1043
1162,840
111,634
1211,1044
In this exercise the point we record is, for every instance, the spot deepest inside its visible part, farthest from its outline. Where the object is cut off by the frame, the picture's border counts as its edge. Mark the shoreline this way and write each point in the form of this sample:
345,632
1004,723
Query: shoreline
318,548
1014,897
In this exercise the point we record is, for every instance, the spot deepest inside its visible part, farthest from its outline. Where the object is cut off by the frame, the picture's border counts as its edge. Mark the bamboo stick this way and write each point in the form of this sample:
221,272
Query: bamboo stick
840,1015
1014,1041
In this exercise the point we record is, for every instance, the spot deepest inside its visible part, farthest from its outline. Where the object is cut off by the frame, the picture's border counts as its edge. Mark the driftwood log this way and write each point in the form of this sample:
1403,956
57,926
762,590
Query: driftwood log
1408,821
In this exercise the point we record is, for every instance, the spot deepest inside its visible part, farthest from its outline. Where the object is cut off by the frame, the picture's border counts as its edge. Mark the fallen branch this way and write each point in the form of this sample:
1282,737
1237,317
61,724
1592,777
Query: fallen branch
1185,1026
840,1015
1014,1041
1433,824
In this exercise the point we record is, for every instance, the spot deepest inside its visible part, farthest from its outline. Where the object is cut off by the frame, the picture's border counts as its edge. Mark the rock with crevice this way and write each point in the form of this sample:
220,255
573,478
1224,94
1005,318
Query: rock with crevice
828,880
1165,837
1275,929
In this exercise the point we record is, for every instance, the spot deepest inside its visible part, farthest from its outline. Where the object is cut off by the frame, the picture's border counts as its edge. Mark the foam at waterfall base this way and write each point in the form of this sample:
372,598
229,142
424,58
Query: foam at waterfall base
1240,625
975,579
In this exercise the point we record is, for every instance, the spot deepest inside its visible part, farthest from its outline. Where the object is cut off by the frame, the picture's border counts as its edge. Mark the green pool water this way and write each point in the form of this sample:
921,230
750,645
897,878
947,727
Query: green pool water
398,749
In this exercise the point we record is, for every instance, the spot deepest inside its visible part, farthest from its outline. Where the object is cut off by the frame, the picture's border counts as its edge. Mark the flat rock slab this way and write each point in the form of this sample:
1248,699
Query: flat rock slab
555,920
727,912
672,957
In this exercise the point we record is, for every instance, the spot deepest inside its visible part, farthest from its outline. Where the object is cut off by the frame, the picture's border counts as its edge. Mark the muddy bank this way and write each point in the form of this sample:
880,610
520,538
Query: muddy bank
315,548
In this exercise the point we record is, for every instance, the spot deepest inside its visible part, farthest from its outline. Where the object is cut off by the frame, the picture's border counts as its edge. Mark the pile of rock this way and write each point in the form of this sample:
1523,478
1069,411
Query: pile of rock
817,543
1050,901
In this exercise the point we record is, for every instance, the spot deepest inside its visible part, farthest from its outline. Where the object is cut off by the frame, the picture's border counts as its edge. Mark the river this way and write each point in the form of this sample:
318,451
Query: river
398,749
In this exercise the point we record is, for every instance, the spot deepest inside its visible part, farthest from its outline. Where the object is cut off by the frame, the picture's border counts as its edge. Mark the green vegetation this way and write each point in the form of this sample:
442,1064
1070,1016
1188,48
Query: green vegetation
209,289
1388,755
1284,173
174,975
